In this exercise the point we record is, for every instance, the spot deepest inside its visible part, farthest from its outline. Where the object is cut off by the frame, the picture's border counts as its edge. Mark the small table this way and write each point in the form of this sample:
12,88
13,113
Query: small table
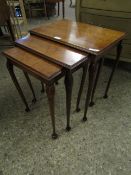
93,40
44,70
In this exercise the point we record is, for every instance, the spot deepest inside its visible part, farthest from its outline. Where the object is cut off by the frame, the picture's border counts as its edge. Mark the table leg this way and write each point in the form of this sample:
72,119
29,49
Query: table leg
30,85
1,33
85,67
45,9
96,80
43,89
50,90
63,7
119,49
11,30
68,87
70,3
92,73
12,74
58,8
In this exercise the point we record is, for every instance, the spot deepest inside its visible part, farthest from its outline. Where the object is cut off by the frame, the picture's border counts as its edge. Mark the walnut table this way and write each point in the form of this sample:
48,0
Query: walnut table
44,70
94,40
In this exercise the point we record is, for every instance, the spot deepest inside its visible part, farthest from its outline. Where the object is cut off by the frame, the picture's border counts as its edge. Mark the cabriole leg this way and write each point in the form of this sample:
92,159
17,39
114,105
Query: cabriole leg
50,90
68,87
14,79
81,86
43,88
119,49
96,81
30,85
92,70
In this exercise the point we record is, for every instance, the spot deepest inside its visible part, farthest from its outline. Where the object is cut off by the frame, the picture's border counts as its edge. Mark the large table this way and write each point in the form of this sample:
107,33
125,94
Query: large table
93,40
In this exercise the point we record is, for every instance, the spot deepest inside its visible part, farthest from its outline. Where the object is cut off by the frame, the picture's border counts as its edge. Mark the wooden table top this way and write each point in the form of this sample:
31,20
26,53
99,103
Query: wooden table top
53,51
39,66
85,37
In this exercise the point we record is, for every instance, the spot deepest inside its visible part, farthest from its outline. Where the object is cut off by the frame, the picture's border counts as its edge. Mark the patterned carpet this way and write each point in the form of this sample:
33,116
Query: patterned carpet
100,146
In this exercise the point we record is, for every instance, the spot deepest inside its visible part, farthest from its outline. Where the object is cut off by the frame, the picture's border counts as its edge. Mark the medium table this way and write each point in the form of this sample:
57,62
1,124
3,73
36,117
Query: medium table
69,58
93,40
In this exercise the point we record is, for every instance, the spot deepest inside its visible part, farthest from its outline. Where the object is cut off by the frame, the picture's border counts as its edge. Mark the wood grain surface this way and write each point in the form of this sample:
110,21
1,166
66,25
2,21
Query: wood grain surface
85,37
53,51
43,67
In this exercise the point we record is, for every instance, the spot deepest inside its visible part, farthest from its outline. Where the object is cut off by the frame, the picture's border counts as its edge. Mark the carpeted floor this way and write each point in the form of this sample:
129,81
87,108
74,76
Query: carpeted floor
100,146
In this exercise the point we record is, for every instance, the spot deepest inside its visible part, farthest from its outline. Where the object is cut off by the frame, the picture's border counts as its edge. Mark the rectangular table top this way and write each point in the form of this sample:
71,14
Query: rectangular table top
85,37
35,64
53,51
